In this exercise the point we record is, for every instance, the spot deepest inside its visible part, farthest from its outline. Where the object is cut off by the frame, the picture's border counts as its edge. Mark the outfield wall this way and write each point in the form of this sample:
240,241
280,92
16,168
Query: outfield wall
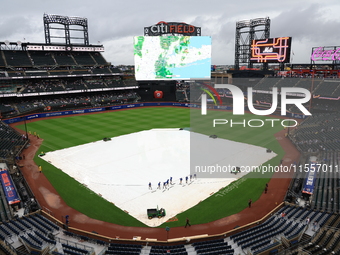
124,106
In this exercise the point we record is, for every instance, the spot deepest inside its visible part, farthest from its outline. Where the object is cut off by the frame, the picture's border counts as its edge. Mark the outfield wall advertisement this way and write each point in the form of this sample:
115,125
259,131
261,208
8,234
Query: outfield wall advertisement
125,106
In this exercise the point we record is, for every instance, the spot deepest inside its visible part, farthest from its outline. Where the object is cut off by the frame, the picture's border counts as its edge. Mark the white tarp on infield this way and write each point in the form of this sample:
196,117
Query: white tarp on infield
120,170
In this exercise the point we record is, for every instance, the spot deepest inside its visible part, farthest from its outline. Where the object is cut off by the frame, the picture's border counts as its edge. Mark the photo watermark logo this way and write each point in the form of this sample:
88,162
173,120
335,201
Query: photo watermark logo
238,96
228,142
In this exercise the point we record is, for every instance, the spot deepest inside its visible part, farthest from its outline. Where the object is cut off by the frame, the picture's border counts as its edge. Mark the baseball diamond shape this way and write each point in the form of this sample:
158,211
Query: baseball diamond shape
121,168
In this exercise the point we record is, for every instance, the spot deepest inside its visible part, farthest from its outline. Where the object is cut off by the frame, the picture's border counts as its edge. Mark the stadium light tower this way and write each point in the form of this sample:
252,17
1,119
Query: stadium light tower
68,23
246,32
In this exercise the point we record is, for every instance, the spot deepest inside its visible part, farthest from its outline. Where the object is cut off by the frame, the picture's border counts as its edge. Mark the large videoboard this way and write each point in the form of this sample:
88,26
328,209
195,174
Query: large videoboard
172,57
271,50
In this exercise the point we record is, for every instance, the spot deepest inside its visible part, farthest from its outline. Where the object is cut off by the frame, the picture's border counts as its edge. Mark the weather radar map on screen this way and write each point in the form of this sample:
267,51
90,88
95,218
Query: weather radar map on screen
172,57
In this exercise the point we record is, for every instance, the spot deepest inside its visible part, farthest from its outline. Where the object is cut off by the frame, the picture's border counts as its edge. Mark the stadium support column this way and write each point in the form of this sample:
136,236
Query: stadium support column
67,34
266,35
237,47
86,34
47,33
311,92
282,66
251,38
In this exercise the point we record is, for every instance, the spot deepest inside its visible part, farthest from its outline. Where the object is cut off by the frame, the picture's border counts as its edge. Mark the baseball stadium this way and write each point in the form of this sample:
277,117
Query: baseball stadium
172,155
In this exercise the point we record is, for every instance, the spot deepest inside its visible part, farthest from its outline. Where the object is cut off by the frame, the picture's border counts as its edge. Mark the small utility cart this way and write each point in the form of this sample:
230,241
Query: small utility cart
235,170
152,213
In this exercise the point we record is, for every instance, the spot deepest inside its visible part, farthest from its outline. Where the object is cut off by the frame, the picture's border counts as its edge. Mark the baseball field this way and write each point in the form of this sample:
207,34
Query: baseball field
59,133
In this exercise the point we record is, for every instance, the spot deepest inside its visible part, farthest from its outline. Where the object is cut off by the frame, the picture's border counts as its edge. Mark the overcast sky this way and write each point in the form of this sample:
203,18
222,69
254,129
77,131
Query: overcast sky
310,23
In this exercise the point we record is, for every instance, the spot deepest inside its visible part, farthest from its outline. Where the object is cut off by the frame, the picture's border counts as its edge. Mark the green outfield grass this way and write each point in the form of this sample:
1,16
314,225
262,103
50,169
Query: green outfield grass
71,131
